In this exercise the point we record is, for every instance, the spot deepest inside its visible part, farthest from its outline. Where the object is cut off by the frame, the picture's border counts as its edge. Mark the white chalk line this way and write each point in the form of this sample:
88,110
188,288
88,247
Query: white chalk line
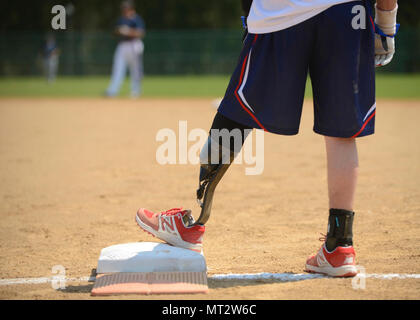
283,277
42,280
288,277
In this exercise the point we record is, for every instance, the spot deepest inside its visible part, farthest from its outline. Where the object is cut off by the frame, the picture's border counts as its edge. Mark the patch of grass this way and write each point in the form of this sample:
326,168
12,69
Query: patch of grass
402,86
153,86
398,86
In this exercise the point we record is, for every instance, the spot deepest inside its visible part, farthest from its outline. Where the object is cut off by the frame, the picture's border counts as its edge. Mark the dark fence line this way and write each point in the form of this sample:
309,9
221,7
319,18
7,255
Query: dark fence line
166,52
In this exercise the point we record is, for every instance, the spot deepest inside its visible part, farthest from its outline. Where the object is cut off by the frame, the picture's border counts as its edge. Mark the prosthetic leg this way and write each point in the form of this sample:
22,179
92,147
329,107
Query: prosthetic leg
211,172
210,175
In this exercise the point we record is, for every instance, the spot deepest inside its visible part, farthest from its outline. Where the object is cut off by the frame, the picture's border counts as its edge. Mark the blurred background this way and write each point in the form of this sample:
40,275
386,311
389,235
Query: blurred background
192,39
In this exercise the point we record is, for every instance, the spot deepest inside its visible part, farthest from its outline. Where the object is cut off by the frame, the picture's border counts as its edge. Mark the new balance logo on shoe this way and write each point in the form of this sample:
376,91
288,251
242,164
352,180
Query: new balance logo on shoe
348,260
167,222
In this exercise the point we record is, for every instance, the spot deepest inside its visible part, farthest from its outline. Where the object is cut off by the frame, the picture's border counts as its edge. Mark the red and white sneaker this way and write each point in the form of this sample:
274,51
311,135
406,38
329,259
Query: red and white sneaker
172,226
338,263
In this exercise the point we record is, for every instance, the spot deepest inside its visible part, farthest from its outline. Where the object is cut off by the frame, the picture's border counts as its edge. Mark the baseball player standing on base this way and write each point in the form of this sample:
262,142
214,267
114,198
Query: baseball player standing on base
339,47
130,29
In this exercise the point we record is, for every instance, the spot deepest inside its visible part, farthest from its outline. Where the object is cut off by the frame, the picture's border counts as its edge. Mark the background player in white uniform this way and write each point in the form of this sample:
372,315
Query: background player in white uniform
51,55
129,52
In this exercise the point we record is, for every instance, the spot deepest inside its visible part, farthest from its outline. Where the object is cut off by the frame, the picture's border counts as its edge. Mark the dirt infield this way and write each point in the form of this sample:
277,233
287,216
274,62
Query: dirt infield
73,173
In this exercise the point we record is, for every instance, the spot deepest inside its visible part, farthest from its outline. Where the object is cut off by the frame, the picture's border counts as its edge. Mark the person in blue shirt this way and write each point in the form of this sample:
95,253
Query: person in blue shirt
130,29
50,54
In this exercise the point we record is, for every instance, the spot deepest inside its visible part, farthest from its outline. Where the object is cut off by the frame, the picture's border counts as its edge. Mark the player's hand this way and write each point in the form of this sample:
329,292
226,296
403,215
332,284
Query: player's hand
124,30
384,50
384,38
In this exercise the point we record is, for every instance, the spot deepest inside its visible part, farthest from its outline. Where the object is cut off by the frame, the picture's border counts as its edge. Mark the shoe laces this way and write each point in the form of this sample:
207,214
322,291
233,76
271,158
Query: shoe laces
172,212
187,218
323,237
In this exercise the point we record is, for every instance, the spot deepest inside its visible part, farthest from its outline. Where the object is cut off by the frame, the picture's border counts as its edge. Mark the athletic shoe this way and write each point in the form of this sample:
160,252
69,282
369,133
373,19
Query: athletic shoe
338,263
173,226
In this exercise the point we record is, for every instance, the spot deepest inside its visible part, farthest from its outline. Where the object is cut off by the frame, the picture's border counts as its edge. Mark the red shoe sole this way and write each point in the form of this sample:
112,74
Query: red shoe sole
346,275
143,229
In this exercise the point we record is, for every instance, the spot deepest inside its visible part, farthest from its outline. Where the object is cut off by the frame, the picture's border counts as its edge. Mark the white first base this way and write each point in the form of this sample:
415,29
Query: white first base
149,257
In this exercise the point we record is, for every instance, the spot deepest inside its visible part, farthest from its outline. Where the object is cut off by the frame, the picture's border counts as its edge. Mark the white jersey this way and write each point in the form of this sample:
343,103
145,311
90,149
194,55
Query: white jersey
273,15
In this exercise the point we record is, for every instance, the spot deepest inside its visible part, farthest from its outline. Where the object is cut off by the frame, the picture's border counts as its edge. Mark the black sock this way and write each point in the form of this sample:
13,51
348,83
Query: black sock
340,229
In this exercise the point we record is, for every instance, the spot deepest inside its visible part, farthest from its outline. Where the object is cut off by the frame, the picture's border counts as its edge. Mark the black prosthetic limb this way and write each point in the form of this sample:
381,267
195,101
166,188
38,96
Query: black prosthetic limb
210,175
211,172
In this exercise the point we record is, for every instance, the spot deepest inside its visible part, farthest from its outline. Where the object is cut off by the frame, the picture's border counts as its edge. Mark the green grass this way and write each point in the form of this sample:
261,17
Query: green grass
405,86
153,86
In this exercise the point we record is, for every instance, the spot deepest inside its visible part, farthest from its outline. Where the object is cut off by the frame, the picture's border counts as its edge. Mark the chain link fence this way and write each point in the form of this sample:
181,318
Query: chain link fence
166,52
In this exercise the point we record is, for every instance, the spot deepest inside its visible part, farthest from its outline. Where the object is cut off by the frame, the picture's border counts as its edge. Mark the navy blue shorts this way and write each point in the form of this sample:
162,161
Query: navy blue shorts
267,88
